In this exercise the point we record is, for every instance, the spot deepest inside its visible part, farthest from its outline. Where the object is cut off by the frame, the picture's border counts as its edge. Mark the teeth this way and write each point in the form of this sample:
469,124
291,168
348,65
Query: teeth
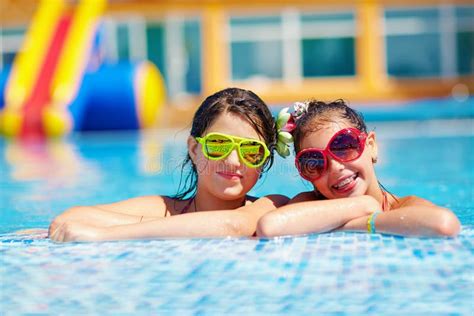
344,182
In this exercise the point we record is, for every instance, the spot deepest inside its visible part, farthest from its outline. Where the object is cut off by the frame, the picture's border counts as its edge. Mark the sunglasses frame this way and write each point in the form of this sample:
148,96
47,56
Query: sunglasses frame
236,142
360,136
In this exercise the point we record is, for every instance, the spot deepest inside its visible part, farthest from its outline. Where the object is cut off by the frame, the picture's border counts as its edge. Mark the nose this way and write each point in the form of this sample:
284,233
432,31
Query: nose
334,165
233,158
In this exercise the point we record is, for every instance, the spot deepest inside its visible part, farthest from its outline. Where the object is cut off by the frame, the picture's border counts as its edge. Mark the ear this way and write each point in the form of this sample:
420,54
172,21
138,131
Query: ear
193,147
371,144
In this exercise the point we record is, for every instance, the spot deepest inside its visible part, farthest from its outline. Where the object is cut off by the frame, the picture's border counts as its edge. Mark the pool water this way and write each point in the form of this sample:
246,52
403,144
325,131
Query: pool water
337,273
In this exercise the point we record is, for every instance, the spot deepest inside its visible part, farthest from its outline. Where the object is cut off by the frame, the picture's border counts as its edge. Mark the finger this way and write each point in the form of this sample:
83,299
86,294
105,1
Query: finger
52,227
57,233
62,235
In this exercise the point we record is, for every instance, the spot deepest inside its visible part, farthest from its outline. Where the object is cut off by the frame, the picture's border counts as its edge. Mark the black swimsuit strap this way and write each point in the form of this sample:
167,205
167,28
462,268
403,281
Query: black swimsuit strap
186,207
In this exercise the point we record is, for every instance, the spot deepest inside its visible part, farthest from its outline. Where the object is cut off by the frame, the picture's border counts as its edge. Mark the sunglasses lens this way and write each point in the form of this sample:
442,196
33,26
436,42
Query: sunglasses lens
311,164
252,152
346,146
218,146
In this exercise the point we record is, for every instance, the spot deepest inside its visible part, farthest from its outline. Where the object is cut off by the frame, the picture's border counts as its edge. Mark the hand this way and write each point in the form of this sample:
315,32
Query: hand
55,224
32,231
371,203
73,231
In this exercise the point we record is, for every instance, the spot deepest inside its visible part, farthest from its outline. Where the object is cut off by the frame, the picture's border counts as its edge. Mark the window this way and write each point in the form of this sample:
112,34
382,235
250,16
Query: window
413,42
174,45
256,47
465,39
11,41
430,42
328,44
155,39
123,42
192,47
130,39
292,45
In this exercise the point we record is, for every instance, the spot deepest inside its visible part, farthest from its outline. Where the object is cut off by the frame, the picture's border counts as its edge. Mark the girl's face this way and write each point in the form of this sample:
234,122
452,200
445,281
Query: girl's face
343,179
228,178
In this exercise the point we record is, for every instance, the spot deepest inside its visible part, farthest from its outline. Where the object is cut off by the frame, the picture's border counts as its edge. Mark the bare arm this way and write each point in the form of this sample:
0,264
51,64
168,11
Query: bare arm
239,222
304,215
414,216
120,213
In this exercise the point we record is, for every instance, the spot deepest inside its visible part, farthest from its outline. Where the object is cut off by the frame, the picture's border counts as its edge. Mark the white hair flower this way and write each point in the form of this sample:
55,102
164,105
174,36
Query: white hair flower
301,108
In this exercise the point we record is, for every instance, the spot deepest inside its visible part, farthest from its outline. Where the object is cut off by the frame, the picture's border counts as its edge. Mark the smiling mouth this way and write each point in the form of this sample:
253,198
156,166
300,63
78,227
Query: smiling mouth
346,182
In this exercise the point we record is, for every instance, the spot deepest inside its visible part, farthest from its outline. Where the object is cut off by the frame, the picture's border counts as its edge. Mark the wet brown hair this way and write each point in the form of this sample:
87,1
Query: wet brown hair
243,103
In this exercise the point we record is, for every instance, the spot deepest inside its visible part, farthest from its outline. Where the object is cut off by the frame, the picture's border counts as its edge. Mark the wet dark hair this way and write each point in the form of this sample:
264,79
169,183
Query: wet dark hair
243,103
319,113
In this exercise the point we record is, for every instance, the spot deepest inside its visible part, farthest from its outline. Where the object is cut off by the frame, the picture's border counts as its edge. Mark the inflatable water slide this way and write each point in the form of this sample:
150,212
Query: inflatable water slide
58,83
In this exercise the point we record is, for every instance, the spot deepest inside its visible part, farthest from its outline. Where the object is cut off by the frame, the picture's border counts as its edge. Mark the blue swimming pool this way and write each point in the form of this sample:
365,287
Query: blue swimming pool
338,273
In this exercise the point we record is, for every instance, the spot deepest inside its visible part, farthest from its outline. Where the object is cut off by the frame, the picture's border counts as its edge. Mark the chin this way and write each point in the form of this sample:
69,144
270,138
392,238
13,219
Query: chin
231,191
231,194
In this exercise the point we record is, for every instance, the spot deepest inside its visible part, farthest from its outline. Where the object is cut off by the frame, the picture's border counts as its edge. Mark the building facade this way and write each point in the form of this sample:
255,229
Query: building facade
287,50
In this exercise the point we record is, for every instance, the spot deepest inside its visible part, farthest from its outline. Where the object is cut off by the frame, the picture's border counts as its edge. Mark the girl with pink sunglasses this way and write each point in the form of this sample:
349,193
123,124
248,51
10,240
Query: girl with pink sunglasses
336,154
230,145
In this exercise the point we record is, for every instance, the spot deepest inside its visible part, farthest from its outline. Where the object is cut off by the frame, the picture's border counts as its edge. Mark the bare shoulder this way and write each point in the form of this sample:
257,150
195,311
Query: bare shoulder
411,200
145,201
151,205
303,197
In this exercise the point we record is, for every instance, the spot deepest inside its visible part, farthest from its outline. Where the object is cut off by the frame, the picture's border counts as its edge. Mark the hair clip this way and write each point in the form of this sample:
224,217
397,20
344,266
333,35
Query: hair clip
300,109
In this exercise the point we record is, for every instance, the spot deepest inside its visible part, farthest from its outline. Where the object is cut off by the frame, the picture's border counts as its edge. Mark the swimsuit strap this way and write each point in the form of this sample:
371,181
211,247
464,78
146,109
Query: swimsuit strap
193,200
385,203
186,207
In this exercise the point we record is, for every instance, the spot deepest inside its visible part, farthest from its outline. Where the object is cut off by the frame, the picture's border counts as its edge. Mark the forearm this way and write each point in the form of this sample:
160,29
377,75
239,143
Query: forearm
94,216
118,213
201,224
314,216
411,221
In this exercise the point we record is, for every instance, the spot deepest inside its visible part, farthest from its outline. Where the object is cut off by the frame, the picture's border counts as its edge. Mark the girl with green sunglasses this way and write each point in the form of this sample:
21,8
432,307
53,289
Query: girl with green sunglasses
231,144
